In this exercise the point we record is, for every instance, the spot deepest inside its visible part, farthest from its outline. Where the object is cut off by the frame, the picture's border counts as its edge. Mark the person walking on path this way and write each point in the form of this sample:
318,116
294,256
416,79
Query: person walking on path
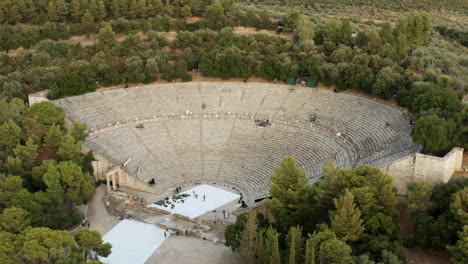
164,234
203,197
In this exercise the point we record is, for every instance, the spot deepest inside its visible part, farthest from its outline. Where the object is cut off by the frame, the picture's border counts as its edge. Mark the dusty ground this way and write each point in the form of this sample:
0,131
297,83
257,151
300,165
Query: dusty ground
98,216
187,250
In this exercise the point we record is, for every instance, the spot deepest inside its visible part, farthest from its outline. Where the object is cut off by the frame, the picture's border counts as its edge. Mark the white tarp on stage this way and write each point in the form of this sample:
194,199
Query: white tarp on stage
133,242
192,207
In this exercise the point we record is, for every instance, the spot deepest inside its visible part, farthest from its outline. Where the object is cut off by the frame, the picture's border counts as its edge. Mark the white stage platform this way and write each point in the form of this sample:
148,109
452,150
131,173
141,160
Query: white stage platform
192,207
133,242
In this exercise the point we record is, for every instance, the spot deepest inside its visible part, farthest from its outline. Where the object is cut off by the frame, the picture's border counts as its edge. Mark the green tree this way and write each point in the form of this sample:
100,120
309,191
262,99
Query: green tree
9,187
432,132
88,21
305,32
249,238
215,15
9,249
186,11
76,185
101,10
9,136
70,149
46,113
275,252
291,195
52,12
53,138
13,110
62,9
295,243
459,251
14,220
134,70
10,88
419,197
233,232
75,10
346,31
345,221
78,131
106,36
309,257
27,153
334,251
46,245
70,84
291,18
459,205
90,243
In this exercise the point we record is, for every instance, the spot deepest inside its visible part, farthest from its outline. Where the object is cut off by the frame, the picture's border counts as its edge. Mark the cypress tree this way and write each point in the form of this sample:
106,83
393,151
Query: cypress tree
52,12
249,238
275,254
295,243
310,251
261,248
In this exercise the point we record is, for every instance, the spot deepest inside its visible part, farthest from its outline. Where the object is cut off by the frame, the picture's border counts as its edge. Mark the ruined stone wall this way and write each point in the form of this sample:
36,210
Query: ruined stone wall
417,167
37,97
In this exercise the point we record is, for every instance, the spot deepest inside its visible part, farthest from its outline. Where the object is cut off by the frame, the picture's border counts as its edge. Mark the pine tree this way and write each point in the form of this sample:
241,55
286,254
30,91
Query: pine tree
289,188
14,15
52,12
101,11
62,9
93,8
106,36
134,9
328,187
186,11
249,238
346,31
27,9
53,138
345,221
27,153
88,21
143,8
69,149
75,10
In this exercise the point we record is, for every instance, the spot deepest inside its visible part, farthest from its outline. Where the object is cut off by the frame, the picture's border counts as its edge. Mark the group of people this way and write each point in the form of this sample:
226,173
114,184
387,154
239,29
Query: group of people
85,223
263,123
170,231
196,195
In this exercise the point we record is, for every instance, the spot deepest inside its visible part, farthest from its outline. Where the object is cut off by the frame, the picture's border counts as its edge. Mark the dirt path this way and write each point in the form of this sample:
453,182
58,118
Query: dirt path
98,217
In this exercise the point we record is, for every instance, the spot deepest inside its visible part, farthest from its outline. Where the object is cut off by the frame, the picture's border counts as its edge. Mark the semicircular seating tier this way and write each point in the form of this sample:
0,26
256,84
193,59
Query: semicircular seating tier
207,132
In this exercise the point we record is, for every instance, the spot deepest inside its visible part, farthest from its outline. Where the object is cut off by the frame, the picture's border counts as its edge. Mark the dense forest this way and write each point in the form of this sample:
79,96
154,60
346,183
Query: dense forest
407,60
350,216
43,175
